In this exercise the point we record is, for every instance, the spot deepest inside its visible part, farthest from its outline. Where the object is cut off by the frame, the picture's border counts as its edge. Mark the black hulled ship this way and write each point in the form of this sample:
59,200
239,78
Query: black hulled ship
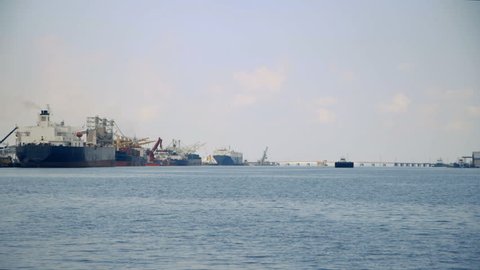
49,144
343,163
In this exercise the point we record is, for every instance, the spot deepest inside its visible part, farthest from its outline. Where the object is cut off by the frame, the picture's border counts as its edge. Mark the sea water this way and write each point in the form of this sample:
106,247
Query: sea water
240,218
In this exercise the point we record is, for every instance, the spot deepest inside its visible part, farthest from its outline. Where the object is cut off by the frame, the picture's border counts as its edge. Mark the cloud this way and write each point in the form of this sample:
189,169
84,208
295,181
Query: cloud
250,87
450,110
322,109
458,125
148,113
474,111
428,115
326,101
429,109
461,93
260,79
325,116
348,76
451,94
215,89
399,104
344,74
244,100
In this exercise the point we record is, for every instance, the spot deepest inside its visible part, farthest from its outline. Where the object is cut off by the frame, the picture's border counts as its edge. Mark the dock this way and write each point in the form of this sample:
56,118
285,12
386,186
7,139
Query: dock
329,163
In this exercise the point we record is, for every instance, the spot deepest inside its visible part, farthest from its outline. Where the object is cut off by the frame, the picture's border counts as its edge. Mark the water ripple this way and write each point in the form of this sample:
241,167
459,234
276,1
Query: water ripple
239,218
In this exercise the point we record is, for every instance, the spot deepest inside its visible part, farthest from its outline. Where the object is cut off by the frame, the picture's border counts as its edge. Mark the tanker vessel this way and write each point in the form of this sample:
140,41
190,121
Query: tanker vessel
50,144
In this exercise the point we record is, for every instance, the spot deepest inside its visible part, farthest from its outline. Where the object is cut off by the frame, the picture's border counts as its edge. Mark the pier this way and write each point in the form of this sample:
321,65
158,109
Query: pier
393,164
329,163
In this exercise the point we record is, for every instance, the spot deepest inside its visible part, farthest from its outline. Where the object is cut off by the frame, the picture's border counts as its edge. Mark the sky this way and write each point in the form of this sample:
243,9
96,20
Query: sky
312,80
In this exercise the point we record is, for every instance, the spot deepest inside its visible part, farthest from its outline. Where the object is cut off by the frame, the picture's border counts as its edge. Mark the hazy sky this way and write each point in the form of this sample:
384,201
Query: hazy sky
313,80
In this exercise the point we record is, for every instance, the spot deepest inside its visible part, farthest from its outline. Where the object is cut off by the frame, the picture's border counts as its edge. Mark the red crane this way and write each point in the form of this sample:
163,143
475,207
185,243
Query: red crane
151,156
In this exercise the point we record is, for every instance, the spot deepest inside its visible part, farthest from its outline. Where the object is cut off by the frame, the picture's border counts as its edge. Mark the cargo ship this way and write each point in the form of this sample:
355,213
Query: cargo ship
129,151
169,157
50,144
176,159
129,157
343,163
225,156
193,159
174,155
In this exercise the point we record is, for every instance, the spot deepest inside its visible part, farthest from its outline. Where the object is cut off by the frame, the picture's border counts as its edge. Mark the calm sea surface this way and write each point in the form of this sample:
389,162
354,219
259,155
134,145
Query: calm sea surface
240,218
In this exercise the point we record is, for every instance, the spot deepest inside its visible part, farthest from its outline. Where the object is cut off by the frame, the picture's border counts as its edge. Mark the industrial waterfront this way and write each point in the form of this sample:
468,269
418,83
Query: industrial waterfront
103,144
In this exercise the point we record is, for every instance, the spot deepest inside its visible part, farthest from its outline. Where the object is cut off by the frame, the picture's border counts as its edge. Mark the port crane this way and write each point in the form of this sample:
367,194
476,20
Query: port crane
264,157
124,142
8,135
193,148
150,153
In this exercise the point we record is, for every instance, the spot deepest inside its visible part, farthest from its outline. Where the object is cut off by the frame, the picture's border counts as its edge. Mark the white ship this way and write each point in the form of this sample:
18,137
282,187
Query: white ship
49,144
224,156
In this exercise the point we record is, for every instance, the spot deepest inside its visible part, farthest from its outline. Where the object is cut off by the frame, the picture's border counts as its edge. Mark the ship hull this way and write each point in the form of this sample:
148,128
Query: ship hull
124,158
343,164
186,161
194,162
226,160
178,162
6,162
45,155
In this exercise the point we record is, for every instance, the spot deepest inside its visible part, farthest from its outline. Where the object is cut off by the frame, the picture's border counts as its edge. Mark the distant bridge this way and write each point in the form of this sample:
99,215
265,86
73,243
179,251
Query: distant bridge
392,164
325,163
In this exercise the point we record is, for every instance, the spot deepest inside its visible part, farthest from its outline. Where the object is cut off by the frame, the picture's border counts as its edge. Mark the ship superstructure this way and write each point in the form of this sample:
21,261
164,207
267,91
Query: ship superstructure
50,144
175,155
224,156
47,132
